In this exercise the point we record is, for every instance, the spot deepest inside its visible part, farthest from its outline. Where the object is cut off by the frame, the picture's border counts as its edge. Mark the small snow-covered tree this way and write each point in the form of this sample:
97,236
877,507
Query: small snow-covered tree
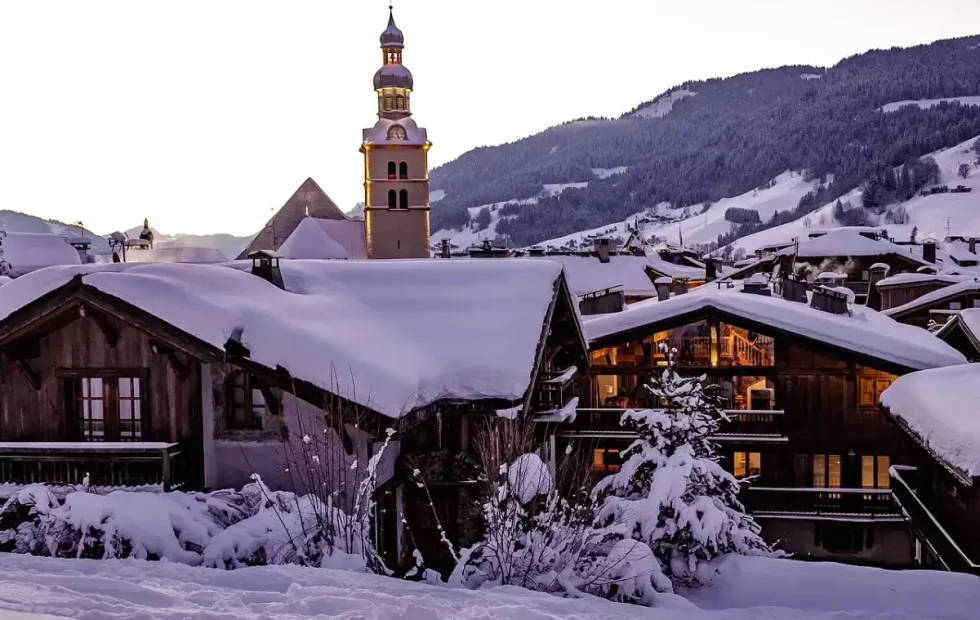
670,493
4,265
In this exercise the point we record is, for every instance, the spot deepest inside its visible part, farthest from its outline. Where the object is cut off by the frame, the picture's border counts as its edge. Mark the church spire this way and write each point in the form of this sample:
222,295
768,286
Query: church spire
393,81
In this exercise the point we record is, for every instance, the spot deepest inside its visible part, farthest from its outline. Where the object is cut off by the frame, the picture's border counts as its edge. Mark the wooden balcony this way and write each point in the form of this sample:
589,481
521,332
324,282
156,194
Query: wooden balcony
924,521
742,426
105,464
828,503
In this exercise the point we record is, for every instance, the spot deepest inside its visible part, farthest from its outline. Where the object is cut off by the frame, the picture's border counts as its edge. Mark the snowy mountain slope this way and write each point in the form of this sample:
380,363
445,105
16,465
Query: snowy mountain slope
693,223
662,106
933,216
34,588
14,221
925,104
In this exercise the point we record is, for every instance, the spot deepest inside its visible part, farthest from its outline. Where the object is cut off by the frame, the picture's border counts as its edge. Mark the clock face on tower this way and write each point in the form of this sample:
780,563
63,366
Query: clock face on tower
397,133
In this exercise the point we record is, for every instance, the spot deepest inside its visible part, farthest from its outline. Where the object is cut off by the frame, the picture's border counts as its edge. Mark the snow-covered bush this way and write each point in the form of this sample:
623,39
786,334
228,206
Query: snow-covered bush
670,493
534,535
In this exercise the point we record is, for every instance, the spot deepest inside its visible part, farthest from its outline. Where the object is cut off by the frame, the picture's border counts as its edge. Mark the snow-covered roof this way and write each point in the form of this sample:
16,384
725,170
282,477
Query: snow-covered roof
862,331
848,242
27,252
390,335
965,286
587,274
907,279
178,254
310,241
675,271
940,407
960,252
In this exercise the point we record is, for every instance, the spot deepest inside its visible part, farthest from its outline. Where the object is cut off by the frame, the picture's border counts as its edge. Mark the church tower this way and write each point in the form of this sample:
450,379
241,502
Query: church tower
396,162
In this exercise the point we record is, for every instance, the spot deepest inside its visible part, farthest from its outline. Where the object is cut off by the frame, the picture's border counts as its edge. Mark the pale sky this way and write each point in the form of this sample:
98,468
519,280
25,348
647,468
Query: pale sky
205,115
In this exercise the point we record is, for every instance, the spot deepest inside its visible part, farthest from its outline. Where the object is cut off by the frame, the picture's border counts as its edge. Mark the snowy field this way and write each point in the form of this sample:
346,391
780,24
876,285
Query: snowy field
742,589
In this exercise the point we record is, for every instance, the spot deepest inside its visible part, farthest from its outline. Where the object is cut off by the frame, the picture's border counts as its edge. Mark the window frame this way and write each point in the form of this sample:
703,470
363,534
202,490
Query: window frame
873,387
70,382
251,384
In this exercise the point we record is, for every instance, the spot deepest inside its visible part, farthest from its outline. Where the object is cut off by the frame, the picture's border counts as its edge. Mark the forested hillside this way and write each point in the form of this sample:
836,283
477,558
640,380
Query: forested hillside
728,137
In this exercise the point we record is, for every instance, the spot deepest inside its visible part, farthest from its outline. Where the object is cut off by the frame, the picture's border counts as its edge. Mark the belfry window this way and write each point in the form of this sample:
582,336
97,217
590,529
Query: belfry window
387,103
403,198
391,170
402,171
392,199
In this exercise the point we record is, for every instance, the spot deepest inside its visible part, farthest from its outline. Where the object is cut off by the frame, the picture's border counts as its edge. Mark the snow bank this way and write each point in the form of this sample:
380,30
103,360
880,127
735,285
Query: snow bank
863,330
743,585
744,589
463,329
940,407
176,254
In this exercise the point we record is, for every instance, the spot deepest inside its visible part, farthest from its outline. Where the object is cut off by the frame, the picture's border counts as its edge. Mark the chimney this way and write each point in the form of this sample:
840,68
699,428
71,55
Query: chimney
444,253
265,264
757,285
973,245
680,287
829,300
602,249
929,251
793,289
663,288
877,272
710,270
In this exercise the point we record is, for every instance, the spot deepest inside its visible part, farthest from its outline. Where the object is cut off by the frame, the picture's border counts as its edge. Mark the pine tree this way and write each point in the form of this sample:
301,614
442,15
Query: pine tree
671,494
4,265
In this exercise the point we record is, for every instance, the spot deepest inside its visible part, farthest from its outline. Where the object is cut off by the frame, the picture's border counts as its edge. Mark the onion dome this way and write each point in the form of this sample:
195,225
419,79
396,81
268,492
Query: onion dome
392,36
393,76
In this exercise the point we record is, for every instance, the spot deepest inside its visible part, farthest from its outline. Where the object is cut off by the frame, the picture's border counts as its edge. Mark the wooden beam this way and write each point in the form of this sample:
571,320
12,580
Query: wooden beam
180,368
30,374
111,333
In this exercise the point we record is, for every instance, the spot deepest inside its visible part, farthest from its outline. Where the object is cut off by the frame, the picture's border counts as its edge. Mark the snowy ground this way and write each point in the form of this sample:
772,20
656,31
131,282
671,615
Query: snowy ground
663,105
925,104
743,589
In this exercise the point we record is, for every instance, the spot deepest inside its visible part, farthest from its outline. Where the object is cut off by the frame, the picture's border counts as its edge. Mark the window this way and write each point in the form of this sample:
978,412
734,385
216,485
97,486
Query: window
105,407
956,305
392,199
870,390
403,170
976,303
403,199
247,402
605,461
819,471
884,479
867,472
833,471
388,102
399,102
391,170
747,464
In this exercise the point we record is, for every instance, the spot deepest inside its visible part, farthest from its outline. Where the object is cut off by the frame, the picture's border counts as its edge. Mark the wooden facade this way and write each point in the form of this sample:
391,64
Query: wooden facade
939,310
804,423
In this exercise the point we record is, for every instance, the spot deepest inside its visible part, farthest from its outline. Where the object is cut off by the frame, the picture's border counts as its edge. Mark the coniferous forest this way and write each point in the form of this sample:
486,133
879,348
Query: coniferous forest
735,134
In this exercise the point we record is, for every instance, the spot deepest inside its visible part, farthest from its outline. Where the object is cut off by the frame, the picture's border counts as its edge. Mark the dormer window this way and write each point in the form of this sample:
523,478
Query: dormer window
249,399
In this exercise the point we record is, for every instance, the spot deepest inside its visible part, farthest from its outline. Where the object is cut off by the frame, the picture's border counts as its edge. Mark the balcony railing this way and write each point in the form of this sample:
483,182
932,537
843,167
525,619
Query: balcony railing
104,463
820,502
953,557
554,390
741,426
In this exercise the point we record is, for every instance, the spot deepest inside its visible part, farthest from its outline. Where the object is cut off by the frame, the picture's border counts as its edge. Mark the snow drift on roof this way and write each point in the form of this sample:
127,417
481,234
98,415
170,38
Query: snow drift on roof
847,242
310,241
675,271
904,279
863,331
586,274
27,252
940,406
176,254
390,335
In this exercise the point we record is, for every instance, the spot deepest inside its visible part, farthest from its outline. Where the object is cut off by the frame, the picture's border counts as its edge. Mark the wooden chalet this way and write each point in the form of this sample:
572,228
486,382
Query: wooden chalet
801,385
938,485
154,375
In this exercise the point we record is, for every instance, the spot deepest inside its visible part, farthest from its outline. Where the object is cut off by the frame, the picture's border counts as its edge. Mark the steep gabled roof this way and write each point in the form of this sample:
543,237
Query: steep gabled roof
309,200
